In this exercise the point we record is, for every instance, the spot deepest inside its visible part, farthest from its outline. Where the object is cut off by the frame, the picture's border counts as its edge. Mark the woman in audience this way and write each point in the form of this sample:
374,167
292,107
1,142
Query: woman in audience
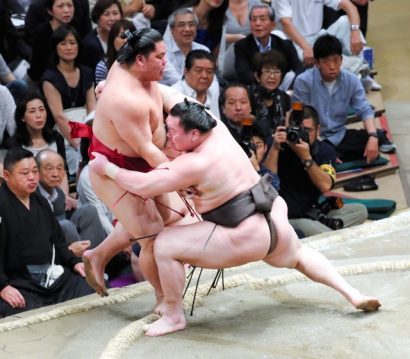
31,130
67,85
270,105
115,41
237,19
105,13
61,12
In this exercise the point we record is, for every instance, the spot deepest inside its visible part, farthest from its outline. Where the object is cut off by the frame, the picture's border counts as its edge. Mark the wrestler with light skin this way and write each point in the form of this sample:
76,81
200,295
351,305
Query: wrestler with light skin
129,119
215,165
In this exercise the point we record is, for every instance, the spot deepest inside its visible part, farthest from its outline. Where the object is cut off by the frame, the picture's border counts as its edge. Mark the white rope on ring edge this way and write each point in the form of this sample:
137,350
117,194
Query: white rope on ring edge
118,346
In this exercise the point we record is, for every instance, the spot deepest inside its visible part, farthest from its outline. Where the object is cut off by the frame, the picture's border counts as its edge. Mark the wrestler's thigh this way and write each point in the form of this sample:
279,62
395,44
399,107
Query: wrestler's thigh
139,217
286,252
208,246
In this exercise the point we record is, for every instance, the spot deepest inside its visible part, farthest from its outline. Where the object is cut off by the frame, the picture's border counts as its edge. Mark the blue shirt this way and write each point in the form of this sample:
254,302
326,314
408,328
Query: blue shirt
333,108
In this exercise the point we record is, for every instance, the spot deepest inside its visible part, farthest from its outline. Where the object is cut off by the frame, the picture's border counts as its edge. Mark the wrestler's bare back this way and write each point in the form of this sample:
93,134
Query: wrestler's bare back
129,114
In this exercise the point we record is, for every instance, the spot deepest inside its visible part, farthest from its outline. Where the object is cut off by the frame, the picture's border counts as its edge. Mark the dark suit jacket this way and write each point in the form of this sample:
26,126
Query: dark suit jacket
246,48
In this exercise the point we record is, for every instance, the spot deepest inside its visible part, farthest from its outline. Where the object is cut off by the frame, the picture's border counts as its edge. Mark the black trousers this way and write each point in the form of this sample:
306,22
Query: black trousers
353,145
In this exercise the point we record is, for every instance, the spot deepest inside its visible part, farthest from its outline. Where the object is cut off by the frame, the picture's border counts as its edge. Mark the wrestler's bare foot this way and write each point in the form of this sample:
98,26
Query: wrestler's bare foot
365,303
368,304
165,325
94,272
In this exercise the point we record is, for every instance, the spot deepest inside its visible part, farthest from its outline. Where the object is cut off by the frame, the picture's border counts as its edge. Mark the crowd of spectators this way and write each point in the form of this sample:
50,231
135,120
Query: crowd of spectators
248,60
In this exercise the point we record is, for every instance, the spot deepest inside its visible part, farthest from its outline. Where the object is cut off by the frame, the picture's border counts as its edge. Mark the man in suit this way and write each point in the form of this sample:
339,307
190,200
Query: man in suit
262,23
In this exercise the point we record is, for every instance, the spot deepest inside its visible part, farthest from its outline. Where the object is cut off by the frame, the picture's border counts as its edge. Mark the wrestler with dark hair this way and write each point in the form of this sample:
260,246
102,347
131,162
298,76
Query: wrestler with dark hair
244,220
129,129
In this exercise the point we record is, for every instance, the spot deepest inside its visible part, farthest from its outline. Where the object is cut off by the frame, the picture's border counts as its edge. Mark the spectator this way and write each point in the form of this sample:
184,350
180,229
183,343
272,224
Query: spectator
211,18
7,107
32,133
115,41
12,47
305,169
183,25
260,151
262,23
68,85
17,88
38,12
29,236
330,15
105,13
199,75
61,12
332,92
302,23
270,105
80,224
235,107
237,19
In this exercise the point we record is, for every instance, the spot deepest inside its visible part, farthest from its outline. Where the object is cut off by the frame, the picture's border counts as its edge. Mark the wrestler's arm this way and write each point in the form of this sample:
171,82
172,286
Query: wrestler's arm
133,126
183,172
171,96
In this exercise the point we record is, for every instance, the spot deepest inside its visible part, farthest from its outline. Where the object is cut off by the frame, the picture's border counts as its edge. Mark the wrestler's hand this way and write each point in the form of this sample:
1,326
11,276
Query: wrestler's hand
98,163
99,89
13,297
188,192
79,268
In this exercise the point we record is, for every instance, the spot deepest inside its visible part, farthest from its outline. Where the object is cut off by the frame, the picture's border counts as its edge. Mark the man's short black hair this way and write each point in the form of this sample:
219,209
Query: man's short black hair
327,45
198,54
310,112
222,96
140,42
193,115
15,155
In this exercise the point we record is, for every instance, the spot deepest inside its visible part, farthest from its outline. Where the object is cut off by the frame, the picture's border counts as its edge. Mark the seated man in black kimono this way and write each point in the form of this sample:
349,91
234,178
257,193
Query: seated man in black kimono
30,240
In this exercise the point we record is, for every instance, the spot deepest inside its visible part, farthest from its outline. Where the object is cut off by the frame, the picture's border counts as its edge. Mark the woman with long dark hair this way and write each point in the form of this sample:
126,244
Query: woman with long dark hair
32,133
114,43
68,85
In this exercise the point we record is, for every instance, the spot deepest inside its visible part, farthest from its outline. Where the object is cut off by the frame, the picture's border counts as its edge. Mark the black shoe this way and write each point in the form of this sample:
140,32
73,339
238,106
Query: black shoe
364,183
385,145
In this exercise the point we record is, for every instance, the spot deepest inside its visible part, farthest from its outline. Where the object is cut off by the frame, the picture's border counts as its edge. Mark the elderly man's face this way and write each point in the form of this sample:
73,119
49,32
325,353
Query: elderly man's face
184,29
51,171
260,23
200,75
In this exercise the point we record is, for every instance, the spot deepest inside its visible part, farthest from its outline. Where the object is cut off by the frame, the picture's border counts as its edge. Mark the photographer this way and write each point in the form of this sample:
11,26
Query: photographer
305,170
236,115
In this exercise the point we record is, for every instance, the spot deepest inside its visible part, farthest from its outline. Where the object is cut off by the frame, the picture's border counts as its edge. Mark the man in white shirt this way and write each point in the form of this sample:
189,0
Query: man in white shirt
302,20
183,24
198,81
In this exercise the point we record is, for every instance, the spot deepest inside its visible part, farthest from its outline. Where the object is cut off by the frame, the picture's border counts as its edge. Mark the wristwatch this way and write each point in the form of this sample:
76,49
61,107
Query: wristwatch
354,27
308,163
373,134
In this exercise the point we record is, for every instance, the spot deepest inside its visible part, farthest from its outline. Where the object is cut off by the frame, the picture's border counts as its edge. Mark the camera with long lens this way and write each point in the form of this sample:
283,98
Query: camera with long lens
296,131
246,136
319,213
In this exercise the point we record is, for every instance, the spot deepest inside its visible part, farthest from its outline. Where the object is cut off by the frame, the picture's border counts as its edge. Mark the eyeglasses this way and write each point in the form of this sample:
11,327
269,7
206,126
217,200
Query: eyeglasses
181,25
269,72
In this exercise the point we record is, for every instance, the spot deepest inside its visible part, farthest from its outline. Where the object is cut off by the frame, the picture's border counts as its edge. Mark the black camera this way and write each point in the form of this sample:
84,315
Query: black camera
296,131
319,213
246,137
